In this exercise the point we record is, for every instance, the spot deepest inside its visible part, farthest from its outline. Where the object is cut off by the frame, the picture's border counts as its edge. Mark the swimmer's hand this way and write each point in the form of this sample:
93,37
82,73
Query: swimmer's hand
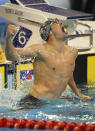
86,97
10,30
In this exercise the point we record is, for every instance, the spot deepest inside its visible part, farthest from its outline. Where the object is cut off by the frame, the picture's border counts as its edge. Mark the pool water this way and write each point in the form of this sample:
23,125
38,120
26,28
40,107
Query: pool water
70,108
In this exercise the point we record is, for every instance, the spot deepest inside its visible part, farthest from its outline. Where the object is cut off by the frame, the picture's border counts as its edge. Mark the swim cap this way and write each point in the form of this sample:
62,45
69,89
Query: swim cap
45,28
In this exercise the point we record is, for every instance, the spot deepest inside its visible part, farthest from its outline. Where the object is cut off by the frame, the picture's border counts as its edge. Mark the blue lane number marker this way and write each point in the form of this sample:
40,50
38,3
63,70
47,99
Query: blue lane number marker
21,38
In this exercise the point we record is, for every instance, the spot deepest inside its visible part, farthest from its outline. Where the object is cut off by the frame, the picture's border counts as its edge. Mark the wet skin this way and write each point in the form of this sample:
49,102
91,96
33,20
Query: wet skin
54,63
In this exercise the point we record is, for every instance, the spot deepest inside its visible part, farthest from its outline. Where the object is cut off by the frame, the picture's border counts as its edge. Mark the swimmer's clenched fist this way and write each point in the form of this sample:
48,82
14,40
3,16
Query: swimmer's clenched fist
11,30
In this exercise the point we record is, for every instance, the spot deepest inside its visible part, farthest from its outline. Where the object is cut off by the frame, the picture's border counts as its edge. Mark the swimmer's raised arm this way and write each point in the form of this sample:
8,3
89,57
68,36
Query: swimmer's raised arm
74,88
14,54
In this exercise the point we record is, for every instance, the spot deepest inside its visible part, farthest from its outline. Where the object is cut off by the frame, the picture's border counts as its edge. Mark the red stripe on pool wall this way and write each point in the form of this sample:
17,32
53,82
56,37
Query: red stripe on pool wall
42,124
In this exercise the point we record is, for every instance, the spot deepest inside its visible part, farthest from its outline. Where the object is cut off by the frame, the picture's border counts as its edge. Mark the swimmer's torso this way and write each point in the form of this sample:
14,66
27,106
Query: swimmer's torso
53,72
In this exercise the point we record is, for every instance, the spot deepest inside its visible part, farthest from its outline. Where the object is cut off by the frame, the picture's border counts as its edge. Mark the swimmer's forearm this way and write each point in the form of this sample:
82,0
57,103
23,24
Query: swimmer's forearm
18,54
73,86
10,51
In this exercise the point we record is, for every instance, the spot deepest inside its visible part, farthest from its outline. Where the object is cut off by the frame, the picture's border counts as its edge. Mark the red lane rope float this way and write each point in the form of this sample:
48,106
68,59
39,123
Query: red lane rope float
42,124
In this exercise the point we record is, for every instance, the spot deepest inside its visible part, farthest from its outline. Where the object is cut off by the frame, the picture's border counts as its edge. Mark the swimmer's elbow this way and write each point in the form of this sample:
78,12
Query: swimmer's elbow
12,57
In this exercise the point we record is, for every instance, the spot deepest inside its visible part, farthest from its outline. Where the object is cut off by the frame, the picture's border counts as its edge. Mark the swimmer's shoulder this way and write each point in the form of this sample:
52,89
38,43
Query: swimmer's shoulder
72,49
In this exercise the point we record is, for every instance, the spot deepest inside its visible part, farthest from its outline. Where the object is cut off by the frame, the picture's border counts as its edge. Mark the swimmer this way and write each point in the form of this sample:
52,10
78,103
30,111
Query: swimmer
54,61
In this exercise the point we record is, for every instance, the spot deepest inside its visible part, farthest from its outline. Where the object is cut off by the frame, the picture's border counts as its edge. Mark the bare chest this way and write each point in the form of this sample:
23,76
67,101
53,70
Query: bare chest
61,64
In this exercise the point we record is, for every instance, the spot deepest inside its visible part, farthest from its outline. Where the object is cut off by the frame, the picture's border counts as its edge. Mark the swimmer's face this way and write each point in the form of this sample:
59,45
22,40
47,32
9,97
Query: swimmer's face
57,29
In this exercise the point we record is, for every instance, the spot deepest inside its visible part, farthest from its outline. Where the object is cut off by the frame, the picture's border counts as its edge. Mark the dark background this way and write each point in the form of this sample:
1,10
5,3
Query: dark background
88,6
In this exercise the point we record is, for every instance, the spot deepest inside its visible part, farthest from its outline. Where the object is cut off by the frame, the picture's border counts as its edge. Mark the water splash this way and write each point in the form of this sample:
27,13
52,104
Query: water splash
9,98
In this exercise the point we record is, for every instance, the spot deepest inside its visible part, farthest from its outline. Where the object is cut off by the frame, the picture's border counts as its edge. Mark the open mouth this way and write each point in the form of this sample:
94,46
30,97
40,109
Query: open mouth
64,30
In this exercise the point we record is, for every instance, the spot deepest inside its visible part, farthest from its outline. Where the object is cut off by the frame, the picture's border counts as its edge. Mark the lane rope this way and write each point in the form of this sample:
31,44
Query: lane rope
42,124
